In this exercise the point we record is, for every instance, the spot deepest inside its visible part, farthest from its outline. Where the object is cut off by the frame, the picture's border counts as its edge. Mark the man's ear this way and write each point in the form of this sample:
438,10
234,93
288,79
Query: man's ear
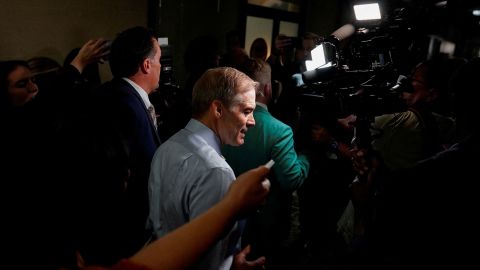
216,108
146,65
268,91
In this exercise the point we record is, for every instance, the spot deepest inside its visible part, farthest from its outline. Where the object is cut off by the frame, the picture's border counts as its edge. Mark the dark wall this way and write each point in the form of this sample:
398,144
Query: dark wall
183,20
52,28
323,17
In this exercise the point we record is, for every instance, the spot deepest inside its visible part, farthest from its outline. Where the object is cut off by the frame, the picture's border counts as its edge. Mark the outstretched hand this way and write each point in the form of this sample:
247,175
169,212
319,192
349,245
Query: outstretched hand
367,165
361,164
249,190
240,261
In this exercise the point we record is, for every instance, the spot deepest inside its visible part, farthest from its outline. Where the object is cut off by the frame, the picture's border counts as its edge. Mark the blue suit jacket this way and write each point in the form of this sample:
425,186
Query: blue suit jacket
124,142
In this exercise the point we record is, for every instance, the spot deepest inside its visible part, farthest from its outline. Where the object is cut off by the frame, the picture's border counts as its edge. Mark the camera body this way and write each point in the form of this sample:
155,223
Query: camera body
364,67
361,76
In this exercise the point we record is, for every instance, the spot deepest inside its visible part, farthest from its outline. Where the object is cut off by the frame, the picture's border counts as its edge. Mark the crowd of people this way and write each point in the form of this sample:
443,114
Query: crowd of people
89,183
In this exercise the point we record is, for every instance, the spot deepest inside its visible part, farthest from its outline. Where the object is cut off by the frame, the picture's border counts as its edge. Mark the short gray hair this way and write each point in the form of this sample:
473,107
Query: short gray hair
221,84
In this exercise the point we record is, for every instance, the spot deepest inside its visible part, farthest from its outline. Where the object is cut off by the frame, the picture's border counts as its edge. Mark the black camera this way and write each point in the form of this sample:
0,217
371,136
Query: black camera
169,100
357,69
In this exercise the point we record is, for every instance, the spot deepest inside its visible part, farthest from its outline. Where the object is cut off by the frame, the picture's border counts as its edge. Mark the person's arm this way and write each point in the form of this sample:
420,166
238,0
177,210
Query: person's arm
72,89
183,247
92,51
290,169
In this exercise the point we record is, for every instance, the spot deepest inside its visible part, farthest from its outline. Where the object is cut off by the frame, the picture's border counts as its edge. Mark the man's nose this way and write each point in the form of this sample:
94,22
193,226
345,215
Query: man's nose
250,121
32,86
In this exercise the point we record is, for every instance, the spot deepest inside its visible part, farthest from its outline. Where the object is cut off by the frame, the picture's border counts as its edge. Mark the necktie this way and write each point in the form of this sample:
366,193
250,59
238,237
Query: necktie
153,115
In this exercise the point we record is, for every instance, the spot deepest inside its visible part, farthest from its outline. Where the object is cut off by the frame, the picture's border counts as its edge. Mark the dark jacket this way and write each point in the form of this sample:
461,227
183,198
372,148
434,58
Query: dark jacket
117,143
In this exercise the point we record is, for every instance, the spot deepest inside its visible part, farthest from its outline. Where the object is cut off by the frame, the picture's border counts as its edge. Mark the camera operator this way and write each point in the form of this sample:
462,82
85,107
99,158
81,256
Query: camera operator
403,138
422,214
288,58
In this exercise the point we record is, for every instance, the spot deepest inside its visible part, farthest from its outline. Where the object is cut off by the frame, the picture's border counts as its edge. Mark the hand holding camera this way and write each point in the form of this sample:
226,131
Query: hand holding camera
283,42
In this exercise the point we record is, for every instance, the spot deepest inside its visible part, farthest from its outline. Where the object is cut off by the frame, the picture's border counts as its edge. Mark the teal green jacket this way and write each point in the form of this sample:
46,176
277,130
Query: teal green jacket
270,139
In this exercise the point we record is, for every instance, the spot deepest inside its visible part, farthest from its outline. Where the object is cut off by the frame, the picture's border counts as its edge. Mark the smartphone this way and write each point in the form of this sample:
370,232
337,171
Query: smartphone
269,164
106,48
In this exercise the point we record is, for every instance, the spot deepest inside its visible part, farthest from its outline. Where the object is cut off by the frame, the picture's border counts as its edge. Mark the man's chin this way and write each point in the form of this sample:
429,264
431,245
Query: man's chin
239,142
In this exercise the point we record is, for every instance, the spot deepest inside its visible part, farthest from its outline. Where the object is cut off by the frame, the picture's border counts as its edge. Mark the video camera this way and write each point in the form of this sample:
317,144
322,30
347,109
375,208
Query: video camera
169,100
357,69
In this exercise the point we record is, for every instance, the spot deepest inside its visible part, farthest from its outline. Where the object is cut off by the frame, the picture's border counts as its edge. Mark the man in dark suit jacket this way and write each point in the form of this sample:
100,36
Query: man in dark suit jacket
122,140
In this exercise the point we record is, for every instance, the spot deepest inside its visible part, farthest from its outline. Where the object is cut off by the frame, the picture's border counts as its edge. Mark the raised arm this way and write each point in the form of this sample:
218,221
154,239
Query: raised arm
183,247
92,51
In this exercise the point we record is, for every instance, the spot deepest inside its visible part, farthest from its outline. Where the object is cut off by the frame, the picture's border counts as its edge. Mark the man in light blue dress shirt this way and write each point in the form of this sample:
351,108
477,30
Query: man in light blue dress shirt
189,175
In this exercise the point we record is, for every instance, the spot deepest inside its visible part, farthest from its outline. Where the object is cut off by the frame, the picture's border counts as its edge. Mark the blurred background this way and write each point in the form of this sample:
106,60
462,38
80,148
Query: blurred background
52,28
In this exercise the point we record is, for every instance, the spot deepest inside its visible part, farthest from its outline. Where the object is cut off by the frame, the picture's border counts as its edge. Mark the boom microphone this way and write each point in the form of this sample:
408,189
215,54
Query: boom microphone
341,33
344,32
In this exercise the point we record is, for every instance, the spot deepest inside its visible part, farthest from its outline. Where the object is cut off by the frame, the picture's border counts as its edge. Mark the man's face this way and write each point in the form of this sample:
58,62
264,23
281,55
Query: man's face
235,121
421,92
21,86
156,66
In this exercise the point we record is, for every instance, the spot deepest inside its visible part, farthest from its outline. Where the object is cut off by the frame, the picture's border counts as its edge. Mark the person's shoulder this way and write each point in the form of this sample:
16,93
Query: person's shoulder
184,142
108,87
173,150
121,90
395,119
117,83
272,123
387,117
202,158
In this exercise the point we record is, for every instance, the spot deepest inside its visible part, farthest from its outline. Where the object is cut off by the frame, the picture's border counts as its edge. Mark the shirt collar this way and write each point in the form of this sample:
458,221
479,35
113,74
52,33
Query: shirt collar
143,94
206,133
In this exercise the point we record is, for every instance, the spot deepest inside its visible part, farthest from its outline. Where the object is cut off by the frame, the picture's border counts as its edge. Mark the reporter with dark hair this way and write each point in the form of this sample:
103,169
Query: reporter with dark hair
287,59
33,118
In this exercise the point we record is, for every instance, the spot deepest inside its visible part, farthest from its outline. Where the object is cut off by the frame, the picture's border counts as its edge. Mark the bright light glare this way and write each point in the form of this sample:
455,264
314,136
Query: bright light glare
447,47
476,12
163,41
318,58
367,12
